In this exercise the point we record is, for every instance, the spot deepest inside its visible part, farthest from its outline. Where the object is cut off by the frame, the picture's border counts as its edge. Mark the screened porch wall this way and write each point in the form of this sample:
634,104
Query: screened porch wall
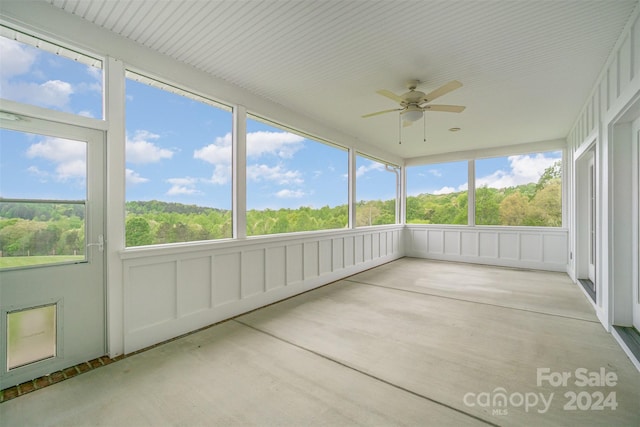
172,291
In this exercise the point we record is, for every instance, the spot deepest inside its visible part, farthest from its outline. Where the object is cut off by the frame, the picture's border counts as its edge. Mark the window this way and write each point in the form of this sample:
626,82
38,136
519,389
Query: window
178,165
42,214
49,76
294,182
437,193
520,190
376,192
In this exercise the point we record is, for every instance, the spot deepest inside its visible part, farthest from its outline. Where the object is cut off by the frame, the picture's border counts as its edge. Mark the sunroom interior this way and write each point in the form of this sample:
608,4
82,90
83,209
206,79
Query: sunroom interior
209,159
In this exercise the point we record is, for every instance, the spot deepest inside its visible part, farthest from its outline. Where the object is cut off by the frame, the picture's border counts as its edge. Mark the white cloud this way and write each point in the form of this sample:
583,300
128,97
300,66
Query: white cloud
52,93
221,174
72,169
69,156
373,166
290,194
445,190
180,186
95,73
276,173
177,190
85,113
134,177
34,170
217,153
20,80
183,181
17,58
435,172
140,150
281,144
523,170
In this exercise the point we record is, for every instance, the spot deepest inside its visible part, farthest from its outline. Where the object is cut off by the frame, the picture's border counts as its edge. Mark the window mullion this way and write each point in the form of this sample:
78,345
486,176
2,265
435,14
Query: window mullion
471,193
352,188
239,171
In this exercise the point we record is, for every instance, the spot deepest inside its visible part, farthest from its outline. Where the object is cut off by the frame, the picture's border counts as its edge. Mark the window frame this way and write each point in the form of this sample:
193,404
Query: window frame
398,199
472,156
149,79
52,46
307,136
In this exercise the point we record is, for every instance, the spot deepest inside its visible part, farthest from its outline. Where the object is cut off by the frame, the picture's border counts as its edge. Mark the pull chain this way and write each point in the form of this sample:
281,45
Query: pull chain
399,128
424,129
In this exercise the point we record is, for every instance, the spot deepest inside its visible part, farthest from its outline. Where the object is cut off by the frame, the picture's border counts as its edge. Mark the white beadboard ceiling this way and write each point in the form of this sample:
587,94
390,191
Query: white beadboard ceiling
527,66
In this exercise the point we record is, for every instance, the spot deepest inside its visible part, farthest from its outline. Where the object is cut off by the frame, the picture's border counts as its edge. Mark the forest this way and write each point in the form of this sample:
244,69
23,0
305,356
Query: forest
38,229
533,204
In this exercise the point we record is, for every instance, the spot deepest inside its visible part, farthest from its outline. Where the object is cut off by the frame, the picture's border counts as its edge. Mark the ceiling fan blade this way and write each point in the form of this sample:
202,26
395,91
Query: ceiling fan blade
380,112
442,90
445,108
390,95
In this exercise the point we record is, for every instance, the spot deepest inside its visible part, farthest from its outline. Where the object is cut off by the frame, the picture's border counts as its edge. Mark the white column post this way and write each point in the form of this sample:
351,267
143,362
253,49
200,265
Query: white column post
114,80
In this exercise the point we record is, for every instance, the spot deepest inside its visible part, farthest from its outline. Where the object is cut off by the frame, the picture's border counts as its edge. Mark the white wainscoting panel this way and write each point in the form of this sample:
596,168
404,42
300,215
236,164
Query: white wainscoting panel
434,241
253,273
524,247
349,251
508,246
172,290
488,244
276,268
195,295
226,280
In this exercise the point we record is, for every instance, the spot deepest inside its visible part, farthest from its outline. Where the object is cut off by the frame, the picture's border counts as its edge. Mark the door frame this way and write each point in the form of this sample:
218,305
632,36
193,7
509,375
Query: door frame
635,294
584,213
95,225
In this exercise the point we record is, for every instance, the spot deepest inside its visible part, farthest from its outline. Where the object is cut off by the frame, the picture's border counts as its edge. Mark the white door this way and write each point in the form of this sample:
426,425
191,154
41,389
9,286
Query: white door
52,288
591,191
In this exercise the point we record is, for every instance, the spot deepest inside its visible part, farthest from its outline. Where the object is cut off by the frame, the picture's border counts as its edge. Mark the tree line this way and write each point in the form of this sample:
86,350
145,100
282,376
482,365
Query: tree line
58,228
29,229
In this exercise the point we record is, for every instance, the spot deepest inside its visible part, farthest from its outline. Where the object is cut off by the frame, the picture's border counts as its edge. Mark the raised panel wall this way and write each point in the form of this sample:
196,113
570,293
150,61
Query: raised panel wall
524,247
169,292
618,80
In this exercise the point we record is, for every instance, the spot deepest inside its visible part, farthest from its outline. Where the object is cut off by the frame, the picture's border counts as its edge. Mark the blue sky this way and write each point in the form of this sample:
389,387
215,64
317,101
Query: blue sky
179,149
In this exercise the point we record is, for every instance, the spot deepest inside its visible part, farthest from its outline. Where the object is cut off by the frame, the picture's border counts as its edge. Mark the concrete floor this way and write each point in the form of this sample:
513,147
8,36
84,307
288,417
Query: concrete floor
413,342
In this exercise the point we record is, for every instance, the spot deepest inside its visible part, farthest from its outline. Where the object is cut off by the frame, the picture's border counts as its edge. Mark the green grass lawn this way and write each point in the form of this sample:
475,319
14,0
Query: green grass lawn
26,261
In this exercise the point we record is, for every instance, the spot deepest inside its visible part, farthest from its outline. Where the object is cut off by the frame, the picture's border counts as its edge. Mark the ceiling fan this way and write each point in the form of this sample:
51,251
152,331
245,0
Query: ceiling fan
414,103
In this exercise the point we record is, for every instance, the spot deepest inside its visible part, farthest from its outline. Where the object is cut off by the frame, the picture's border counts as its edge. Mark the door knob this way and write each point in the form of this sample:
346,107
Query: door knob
99,244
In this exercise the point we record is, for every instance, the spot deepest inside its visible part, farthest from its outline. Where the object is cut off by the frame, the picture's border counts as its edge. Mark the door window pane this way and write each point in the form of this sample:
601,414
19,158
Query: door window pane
49,75
376,192
31,335
43,187
42,167
437,193
521,190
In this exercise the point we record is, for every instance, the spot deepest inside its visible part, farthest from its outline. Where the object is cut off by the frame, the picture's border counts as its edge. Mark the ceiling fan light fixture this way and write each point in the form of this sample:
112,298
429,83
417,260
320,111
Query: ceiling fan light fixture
412,114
